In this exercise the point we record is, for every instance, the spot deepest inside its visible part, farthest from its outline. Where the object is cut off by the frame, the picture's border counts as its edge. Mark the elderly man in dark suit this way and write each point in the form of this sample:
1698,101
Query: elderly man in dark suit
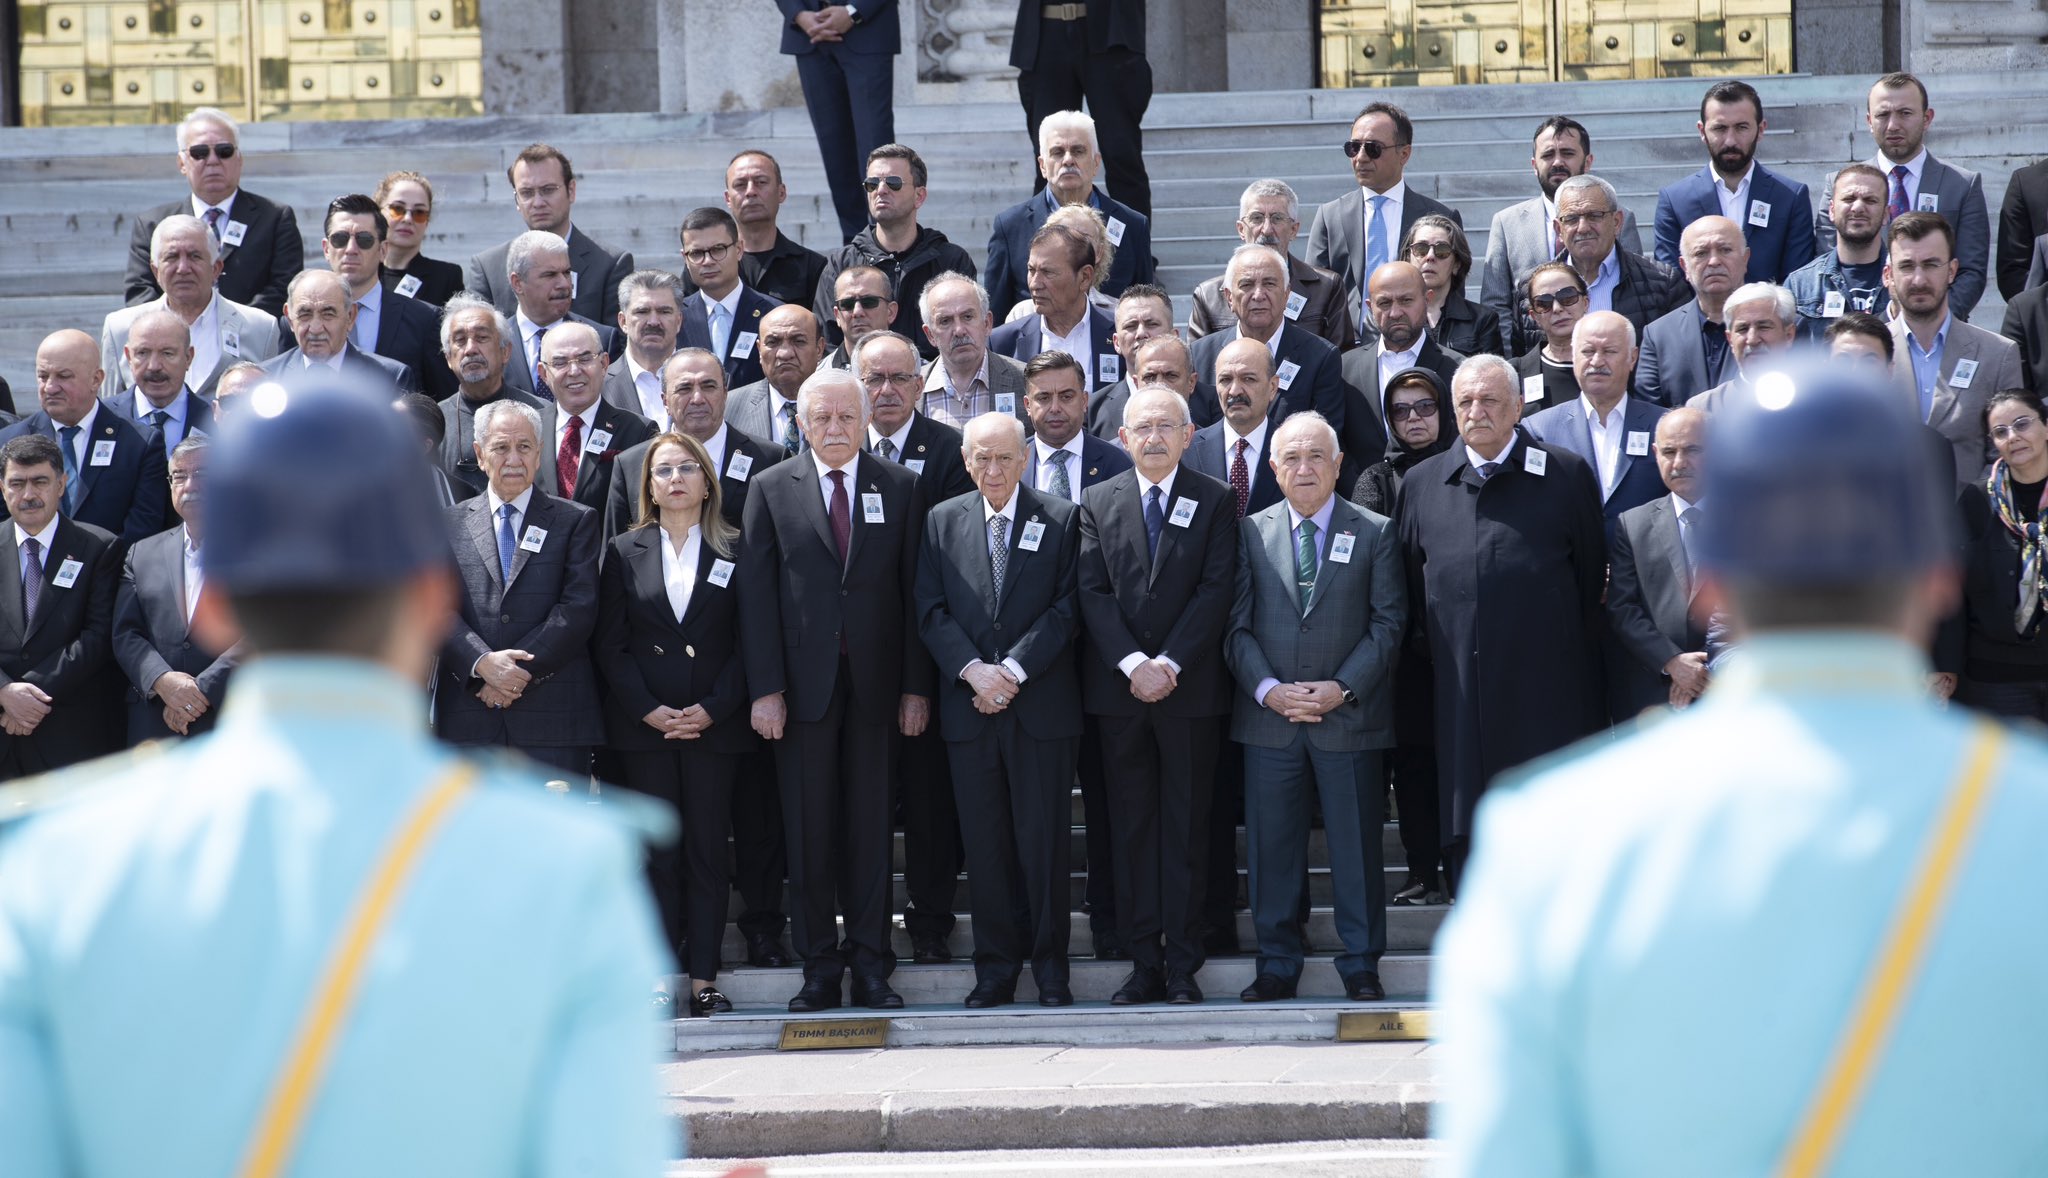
159,354
59,689
394,327
581,432
833,665
1157,575
1606,428
1315,628
1061,272
515,671
113,468
320,316
175,686
186,262
544,190
1588,222
1362,230
1308,373
1067,55
258,239
538,273
1506,562
1650,586
650,317
1068,160
476,339
724,315
1685,352
1269,214
1775,213
995,603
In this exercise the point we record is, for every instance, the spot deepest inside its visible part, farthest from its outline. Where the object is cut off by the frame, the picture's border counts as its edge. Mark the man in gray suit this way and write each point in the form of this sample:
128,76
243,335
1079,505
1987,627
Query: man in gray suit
792,343
1918,183
537,268
1320,606
1521,236
321,315
1269,214
544,189
1685,352
1650,580
187,265
1949,367
650,315
1351,239
966,380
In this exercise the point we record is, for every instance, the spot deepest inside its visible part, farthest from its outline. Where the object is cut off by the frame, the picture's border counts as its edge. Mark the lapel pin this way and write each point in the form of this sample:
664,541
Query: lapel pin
1091,472
690,650
920,447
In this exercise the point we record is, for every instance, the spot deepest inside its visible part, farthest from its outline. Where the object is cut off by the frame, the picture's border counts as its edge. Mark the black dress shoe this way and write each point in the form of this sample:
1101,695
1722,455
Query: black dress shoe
1268,987
1410,895
1143,985
1110,947
1364,986
991,994
1055,994
930,950
765,951
817,994
1181,989
707,1002
875,994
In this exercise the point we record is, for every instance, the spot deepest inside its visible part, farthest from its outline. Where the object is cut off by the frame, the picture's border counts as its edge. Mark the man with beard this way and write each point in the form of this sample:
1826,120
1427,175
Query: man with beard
1950,367
1269,214
650,316
159,353
1068,160
791,346
1776,214
476,339
1849,277
1522,237
1686,352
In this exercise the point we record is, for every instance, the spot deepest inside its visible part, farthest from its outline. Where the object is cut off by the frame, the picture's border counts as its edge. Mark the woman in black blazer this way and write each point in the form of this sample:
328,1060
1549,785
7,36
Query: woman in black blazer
408,203
2005,571
667,644
1438,248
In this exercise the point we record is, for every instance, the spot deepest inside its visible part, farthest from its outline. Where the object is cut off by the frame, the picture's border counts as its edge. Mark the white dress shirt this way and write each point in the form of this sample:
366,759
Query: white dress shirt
1915,168
1477,460
81,444
851,468
1735,205
1392,362
529,332
1041,454
647,387
519,506
1607,437
1685,530
1009,512
1253,451
1130,662
49,533
1078,343
334,361
226,207
195,577
679,569
715,449
780,407
896,440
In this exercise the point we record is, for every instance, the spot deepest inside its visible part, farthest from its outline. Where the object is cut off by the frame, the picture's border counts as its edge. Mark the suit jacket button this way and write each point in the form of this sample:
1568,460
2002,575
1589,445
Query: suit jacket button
999,625
1148,635
1304,627
507,620
658,650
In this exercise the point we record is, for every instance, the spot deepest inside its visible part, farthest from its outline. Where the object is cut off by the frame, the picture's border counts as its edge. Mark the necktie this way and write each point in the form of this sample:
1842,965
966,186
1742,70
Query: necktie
565,458
886,449
74,487
161,419
1155,521
841,514
213,224
1896,206
998,551
791,441
1690,517
540,375
1241,478
355,331
31,579
1057,482
507,543
1305,563
1375,252
721,328
1487,469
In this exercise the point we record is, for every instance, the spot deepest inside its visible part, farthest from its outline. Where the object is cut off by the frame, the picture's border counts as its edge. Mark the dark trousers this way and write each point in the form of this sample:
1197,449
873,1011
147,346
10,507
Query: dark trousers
1226,811
2021,701
1281,786
1414,767
760,857
931,834
1161,768
23,756
1014,795
1117,86
834,774
851,97
1100,893
692,886
571,760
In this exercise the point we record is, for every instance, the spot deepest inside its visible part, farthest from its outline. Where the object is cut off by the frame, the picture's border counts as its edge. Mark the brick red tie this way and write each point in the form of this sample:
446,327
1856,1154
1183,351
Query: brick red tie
1241,478
565,458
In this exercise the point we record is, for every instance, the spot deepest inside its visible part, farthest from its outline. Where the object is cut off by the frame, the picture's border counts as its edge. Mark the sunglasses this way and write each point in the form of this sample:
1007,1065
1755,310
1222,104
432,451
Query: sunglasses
895,183
864,302
1425,249
1372,148
1566,298
363,238
202,151
1422,408
401,213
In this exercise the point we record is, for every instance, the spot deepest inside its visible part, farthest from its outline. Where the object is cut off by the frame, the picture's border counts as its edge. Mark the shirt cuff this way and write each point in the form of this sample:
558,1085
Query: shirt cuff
1131,663
1170,664
478,663
1265,685
1015,669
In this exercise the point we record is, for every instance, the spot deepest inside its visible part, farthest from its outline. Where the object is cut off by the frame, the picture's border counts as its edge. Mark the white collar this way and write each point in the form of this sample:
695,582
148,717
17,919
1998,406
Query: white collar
634,370
1272,343
226,207
1165,485
1679,506
333,361
1742,186
1072,446
528,327
731,301
1618,413
1396,196
519,503
84,423
23,535
1256,438
896,439
1472,456
824,470
1914,167
1009,511
589,416
179,408
715,447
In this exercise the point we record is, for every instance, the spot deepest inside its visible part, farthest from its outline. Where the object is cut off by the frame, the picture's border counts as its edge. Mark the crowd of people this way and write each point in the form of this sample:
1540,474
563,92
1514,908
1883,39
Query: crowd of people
819,545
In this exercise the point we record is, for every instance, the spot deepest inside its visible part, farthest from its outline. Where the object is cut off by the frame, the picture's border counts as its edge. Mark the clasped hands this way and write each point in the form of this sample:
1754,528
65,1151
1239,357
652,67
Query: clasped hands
679,723
1305,703
183,701
504,679
770,715
830,23
994,687
22,707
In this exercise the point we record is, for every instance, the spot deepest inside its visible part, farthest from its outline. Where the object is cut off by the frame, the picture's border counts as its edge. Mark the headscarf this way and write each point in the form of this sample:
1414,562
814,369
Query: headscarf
2002,488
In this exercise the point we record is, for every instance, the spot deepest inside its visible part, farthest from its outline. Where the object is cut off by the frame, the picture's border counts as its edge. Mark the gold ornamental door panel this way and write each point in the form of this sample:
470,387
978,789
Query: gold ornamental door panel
151,61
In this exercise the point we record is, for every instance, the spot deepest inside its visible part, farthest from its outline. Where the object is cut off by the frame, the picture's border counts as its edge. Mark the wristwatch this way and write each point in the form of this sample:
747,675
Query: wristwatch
1350,696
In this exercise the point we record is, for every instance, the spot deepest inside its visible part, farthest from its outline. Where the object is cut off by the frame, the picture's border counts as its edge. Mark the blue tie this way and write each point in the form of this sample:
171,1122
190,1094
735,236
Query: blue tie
74,487
1155,521
507,542
1375,253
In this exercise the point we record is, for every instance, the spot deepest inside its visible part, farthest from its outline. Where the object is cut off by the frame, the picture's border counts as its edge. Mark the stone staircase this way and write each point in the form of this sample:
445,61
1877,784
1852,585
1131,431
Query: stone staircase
66,195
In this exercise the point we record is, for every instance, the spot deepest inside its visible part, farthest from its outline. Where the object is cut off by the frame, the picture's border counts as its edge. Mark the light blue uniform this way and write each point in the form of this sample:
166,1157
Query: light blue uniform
161,928
1660,940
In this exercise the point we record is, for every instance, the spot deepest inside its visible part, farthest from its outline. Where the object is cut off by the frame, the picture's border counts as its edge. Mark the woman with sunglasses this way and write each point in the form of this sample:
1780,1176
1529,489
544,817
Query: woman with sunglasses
1555,297
1437,247
667,644
408,203
2005,569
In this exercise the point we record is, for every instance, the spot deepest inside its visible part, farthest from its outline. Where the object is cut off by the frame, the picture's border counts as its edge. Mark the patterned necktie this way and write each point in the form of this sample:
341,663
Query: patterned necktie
1155,521
1896,206
565,458
31,579
841,514
540,375
1375,252
998,550
1487,469
1241,478
791,440
213,226
1058,484
74,486
507,543
1305,563
886,449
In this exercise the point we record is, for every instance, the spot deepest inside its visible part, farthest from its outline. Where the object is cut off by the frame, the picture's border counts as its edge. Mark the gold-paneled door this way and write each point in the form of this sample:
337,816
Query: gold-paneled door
151,61
1442,42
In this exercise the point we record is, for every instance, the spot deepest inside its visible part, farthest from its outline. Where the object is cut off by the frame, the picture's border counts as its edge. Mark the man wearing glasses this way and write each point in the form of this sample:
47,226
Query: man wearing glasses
1588,224
910,255
724,316
405,330
258,240
544,189
1362,230
1522,237
1269,214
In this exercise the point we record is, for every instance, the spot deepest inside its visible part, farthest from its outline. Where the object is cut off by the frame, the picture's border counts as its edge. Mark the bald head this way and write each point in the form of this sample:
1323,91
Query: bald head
792,343
68,375
575,364
1395,294
1604,357
1715,256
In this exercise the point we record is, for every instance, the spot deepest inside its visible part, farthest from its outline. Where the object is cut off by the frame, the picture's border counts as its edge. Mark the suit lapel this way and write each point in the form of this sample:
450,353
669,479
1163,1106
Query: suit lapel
61,542
974,525
1668,535
812,489
649,561
1280,550
1134,528
706,558
11,603
172,565
539,513
1945,399
483,534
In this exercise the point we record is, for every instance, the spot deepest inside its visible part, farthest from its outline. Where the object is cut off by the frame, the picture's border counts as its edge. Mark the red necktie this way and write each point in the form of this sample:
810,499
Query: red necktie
565,458
1241,478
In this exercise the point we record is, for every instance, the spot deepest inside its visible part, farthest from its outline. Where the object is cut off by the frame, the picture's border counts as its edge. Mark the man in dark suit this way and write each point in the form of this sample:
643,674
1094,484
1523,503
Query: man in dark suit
476,338
159,353
394,327
1775,214
1157,575
2022,219
114,469
724,316
1402,340
258,239
996,608
543,289
59,688
1651,584
1351,239
544,189
1164,360
1308,373
2026,324
834,664
320,315
515,671
769,261
1061,273
966,379
1068,160
846,61
175,686
1506,562
1685,352
1617,279
650,316
1066,56
791,346
580,432
1268,214
1606,428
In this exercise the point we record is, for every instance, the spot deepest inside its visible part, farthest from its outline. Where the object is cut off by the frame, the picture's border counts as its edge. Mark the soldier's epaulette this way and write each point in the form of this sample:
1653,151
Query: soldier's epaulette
651,818
33,795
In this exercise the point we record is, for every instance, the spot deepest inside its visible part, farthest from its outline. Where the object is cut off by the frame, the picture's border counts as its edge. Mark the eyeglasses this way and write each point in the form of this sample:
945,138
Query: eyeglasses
1574,220
401,213
895,183
669,474
864,302
564,363
1425,249
1422,408
1261,219
200,151
545,191
714,253
1567,298
2020,425
874,382
363,238
1372,148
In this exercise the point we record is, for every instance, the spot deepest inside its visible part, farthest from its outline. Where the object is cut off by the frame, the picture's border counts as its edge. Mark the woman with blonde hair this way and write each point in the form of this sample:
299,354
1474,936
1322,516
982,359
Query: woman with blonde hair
408,203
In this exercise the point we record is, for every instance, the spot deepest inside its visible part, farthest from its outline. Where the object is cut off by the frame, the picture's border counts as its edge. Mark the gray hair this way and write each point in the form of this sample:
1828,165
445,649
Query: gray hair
1151,394
303,277
1067,120
1249,250
1259,190
924,297
471,301
647,280
207,114
825,378
181,223
1582,183
162,315
1008,421
1483,366
195,442
519,255
1755,292
860,350
488,416
1311,420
